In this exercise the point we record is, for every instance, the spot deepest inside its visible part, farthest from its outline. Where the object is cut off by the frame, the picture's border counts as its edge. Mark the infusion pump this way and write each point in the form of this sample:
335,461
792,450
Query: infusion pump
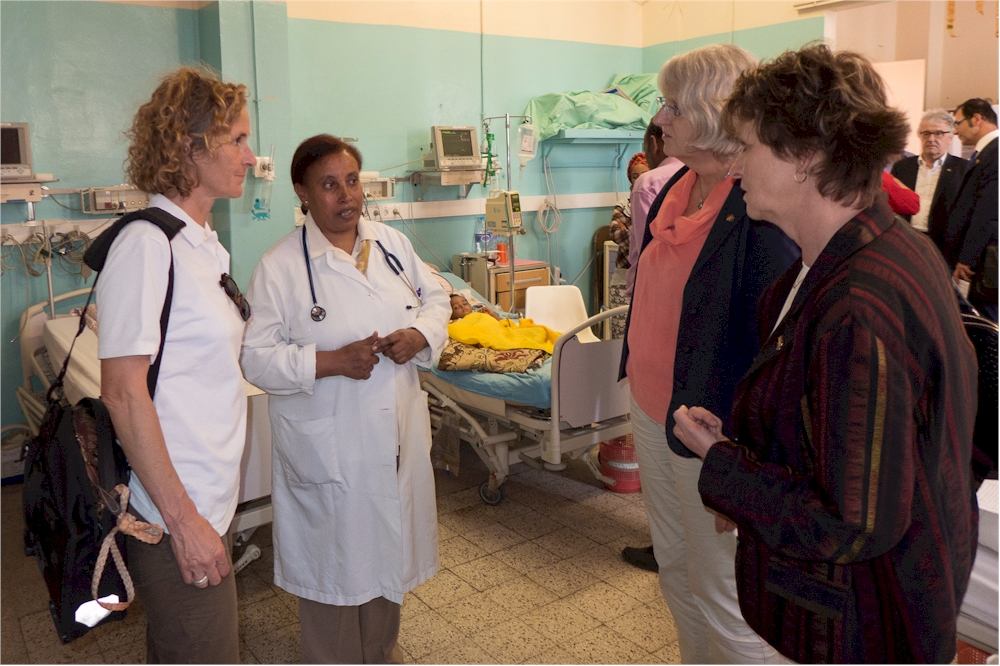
503,211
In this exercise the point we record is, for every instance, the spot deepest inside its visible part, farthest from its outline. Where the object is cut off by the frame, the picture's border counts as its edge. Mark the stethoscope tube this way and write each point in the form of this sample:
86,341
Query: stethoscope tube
318,313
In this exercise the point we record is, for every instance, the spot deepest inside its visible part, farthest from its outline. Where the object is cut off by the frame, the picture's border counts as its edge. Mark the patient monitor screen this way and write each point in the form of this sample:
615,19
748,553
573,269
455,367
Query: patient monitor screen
10,146
456,143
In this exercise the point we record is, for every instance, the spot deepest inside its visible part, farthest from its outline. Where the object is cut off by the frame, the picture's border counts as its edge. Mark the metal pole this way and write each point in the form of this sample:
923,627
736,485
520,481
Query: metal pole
510,229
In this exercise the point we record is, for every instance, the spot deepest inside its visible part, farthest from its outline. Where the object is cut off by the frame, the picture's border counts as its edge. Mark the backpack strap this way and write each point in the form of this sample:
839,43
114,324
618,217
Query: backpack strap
96,256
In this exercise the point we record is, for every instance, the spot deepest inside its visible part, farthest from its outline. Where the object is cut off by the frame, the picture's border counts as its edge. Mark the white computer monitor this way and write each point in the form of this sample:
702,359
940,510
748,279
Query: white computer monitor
454,147
15,153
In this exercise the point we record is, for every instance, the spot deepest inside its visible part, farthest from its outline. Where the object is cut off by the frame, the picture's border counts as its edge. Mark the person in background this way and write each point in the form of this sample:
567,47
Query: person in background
934,174
355,519
689,338
972,220
902,200
621,224
644,191
849,472
189,147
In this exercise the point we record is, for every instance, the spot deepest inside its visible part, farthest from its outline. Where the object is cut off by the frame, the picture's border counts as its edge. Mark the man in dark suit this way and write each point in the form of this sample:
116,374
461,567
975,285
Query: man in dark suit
934,174
972,221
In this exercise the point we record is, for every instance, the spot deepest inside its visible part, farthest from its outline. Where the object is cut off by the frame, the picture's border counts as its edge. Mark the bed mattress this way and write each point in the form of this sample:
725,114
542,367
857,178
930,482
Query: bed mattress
523,388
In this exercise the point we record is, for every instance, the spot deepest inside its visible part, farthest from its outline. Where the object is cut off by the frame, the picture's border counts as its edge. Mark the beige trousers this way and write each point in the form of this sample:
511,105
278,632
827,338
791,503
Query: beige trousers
364,634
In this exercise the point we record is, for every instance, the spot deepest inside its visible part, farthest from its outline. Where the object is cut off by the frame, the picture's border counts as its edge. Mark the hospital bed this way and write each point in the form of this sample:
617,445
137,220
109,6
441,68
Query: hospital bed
45,343
541,417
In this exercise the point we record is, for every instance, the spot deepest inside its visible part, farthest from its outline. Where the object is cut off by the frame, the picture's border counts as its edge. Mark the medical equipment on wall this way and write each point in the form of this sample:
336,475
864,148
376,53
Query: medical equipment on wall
112,200
453,147
264,172
318,313
375,188
15,153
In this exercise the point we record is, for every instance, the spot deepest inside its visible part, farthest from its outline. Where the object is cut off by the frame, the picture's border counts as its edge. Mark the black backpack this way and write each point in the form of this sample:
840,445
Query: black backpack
76,478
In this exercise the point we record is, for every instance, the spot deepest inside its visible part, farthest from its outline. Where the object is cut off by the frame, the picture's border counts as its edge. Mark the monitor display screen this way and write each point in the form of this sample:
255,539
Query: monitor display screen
456,143
10,146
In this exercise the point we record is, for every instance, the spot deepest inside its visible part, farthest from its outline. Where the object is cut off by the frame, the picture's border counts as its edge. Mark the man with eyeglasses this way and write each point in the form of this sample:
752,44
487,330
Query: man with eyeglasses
934,174
972,220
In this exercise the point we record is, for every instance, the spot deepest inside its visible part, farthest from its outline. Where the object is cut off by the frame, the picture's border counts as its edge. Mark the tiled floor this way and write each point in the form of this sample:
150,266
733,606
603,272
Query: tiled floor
537,579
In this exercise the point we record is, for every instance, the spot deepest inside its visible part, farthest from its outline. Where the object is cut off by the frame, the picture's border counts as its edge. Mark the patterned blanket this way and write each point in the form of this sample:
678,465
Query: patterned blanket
460,356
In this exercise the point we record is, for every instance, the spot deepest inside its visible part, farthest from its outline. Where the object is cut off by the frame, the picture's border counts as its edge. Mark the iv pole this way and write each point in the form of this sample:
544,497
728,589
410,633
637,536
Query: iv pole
510,230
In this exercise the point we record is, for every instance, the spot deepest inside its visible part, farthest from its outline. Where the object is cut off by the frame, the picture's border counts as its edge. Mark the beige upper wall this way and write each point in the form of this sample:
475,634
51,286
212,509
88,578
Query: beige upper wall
613,22
634,23
675,21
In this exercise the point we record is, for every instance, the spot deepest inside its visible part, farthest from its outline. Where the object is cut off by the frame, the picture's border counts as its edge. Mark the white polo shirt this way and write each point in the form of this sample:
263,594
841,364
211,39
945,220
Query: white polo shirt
200,398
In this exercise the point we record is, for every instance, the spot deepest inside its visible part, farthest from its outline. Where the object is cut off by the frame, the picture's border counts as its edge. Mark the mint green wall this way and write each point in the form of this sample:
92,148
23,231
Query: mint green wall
388,85
77,71
765,42
78,83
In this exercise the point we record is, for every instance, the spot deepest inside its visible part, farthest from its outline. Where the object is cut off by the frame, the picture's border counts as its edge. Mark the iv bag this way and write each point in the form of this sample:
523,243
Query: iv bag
526,147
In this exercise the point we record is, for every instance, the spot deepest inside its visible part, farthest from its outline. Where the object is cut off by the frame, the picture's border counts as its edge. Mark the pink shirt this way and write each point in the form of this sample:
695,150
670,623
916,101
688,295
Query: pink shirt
644,192
658,300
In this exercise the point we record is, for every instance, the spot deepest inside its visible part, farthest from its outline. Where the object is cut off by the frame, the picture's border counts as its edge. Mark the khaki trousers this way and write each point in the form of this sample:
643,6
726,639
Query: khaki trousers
364,634
184,624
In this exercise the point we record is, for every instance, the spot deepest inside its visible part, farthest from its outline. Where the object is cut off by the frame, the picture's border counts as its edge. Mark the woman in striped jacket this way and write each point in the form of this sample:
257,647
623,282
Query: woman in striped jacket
848,471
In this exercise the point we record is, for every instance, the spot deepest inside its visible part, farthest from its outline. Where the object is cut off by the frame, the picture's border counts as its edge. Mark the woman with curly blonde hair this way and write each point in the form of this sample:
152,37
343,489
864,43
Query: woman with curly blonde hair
184,438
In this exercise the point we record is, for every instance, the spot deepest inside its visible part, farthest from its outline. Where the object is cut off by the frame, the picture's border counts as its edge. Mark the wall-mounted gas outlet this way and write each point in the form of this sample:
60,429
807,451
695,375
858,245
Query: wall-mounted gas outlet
264,168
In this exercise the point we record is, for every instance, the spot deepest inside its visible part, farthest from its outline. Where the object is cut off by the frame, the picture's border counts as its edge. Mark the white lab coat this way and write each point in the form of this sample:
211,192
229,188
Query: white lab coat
348,527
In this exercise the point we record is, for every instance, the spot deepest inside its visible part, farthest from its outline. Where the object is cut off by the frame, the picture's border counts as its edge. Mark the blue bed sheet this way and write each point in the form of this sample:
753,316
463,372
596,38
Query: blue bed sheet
525,388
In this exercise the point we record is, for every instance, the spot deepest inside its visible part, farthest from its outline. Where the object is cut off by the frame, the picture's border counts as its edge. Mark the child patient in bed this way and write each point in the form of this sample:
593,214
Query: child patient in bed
478,339
460,307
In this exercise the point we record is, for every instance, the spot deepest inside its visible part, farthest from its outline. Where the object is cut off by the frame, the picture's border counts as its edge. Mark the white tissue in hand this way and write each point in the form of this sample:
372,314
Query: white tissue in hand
92,612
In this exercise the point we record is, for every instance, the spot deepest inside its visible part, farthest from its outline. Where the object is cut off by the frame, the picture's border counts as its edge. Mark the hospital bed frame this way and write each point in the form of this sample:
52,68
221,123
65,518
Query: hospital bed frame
589,406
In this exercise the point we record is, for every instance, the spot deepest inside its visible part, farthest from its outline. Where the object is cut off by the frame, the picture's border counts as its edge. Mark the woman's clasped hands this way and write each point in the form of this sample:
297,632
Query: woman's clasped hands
357,359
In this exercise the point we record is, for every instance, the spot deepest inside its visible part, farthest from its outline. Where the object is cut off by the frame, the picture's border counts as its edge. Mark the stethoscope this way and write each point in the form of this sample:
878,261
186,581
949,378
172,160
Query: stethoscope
318,313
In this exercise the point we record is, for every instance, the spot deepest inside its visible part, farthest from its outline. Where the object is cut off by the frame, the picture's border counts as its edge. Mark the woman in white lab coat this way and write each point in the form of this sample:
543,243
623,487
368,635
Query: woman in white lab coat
343,313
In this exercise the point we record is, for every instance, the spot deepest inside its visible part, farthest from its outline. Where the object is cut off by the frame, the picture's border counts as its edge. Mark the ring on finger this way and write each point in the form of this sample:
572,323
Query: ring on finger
201,582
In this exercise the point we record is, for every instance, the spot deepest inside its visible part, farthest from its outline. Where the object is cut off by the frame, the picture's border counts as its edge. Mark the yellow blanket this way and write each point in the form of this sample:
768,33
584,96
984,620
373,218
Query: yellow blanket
482,329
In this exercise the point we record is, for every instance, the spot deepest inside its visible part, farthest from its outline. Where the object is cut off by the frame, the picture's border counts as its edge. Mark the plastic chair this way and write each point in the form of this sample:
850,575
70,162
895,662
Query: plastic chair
560,307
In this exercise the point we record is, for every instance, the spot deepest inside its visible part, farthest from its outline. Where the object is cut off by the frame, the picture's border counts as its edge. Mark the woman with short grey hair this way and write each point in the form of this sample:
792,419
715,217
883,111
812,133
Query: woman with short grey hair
690,336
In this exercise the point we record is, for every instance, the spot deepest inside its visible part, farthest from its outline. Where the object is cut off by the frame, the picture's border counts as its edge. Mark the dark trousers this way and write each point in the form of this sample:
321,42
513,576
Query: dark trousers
184,624
364,634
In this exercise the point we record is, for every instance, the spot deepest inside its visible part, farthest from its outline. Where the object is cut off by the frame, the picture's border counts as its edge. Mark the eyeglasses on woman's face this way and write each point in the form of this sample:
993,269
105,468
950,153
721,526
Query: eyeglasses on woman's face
232,290
669,108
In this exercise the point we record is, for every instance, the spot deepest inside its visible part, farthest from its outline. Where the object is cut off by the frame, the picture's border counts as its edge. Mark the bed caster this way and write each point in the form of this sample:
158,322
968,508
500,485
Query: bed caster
491,497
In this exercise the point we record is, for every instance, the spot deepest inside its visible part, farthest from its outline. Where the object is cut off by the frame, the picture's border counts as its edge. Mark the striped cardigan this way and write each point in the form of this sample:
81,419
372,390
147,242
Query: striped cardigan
850,481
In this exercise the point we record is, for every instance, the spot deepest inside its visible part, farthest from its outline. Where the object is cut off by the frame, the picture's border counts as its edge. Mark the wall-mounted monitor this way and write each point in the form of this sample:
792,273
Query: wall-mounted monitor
15,153
453,147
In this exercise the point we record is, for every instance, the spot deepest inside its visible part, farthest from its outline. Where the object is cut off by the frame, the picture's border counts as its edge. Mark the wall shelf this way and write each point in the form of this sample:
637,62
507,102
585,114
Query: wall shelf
619,139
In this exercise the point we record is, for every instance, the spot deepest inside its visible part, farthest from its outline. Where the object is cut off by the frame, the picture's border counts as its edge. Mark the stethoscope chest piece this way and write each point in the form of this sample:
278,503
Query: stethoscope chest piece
317,313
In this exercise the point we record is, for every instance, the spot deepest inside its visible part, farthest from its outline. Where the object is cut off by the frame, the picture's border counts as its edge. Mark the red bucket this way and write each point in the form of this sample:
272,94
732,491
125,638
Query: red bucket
618,462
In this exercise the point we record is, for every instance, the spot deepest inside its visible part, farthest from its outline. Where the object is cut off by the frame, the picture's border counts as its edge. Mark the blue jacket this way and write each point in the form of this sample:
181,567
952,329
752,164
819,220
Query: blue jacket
717,339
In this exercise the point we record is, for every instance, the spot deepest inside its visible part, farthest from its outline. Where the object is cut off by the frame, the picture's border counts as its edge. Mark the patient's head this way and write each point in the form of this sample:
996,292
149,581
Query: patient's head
459,306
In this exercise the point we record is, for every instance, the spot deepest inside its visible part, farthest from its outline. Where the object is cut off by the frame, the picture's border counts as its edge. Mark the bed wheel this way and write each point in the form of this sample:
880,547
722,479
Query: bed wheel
493,498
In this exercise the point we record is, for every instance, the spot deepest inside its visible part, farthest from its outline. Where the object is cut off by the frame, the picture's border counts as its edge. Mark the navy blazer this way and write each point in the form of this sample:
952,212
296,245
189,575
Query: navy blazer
717,338
949,182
